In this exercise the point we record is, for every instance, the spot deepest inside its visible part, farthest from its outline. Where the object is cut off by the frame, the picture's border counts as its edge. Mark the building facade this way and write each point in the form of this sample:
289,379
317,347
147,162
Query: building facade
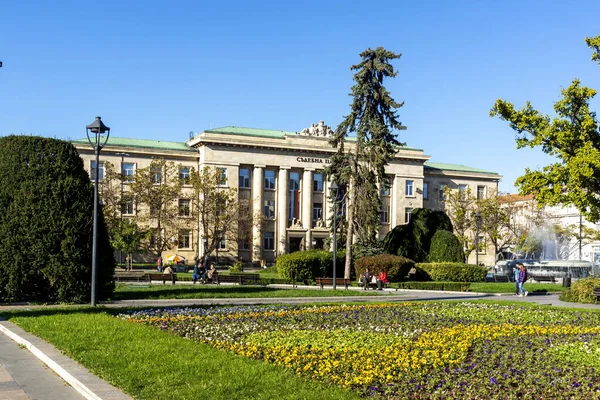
281,175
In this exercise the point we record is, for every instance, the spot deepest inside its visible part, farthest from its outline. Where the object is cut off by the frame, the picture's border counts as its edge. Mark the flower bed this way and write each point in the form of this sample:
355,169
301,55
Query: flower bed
413,350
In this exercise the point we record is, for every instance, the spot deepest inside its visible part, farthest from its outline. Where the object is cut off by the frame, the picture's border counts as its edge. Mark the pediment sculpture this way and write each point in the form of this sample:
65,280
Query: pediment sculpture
319,129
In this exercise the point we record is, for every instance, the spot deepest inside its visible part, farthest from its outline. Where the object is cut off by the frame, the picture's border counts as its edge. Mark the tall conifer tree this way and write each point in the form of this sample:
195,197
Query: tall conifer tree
358,166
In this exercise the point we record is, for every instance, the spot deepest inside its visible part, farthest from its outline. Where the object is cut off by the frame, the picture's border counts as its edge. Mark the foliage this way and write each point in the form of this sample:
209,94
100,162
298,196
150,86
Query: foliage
396,267
413,240
156,190
237,267
151,364
307,265
581,291
594,44
411,350
218,209
572,138
498,221
371,248
454,272
358,168
445,247
46,222
448,286
459,205
128,238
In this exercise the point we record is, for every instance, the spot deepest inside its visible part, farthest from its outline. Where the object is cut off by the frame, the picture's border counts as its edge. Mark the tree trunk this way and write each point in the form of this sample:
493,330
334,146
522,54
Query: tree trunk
350,231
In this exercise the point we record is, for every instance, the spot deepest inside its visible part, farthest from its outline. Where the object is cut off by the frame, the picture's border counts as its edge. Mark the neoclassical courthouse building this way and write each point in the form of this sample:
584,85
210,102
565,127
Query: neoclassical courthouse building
281,174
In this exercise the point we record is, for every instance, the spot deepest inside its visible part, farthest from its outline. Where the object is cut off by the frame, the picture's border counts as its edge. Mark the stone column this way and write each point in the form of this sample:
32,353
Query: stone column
307,182
282,210
257,215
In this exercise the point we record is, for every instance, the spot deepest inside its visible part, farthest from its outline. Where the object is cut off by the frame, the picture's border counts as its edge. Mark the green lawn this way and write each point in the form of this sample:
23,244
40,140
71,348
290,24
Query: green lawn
148,363
502,287
198,291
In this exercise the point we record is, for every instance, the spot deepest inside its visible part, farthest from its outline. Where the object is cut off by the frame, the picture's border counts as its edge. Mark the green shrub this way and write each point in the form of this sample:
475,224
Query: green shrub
445,247
373,248
449,286
454,272
46,221
581,291
396,267
237,267
310,264
413,240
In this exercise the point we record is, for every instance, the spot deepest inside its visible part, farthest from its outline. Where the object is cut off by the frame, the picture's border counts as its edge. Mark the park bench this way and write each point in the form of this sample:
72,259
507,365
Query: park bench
241,279
161,277
329,282
501,278
543,278
129,276
596,293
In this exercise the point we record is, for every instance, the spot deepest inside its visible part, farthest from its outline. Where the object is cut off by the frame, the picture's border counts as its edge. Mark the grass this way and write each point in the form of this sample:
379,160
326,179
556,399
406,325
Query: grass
148,363
507,287
130,292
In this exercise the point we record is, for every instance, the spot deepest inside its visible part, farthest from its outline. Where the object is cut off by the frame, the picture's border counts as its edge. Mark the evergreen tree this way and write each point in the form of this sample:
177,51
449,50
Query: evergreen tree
358,167
46,221
445,247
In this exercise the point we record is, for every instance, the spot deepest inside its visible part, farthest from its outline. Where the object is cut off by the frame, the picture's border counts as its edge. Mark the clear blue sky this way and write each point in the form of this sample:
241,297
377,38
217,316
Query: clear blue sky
158,70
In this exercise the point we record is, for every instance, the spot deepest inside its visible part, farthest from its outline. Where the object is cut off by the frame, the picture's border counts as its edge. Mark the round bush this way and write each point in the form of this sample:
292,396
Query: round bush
396,267
46,220
445,247
581,291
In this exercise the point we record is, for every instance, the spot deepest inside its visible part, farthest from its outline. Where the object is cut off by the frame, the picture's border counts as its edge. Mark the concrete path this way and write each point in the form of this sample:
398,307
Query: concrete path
23,376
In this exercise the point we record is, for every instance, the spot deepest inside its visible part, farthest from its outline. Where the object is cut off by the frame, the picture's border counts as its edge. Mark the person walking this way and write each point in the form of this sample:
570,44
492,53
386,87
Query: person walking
515,272
522,280
159,264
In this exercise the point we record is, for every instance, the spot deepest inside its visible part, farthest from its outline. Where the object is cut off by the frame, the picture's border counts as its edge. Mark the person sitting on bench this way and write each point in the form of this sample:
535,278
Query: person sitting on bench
366,278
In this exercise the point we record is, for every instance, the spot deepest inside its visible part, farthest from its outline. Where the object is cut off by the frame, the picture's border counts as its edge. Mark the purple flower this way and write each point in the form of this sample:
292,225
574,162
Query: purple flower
494,381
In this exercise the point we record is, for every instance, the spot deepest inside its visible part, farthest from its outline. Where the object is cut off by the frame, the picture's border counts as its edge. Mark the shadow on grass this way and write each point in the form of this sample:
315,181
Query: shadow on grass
162,292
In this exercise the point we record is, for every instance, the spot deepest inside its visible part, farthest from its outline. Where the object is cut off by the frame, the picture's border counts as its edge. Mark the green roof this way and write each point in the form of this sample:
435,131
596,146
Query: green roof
236,130
142,143
455,167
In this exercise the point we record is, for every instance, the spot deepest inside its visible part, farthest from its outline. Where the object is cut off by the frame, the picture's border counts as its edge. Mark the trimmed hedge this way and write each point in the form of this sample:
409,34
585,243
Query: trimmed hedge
453,272
310,264
396,267
445,247
449,286
581,291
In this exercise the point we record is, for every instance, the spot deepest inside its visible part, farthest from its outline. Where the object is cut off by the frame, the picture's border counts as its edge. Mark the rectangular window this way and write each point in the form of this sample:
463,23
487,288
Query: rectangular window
184,207
153,239
244,244
462,190
185,239
317,213
384,214
409,191
100,170
425,190
222,176
127,206
269,179
385,187
482,246
294,203
480,192
317,182
244,178
269,241
184,174
156,175
222,245
127,171
407,212
269,209
441,191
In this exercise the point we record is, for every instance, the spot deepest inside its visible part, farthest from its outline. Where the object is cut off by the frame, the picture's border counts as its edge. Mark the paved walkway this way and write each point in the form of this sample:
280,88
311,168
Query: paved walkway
23,376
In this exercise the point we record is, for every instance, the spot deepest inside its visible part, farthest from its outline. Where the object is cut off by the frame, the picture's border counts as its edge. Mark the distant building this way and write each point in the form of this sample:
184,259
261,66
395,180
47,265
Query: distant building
281,174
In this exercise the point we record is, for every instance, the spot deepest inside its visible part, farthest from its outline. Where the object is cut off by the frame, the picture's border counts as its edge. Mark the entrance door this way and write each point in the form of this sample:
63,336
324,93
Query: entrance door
295,243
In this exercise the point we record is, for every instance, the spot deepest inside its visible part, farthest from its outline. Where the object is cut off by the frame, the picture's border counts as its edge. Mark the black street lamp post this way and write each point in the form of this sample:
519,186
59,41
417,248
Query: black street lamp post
477,216
334,189
98,129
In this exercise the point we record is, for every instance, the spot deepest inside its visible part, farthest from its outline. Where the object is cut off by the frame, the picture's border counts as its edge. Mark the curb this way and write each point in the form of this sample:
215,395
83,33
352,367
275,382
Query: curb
58,370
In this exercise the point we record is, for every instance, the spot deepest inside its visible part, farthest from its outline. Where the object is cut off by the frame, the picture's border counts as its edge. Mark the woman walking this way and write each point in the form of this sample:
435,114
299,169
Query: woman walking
522,280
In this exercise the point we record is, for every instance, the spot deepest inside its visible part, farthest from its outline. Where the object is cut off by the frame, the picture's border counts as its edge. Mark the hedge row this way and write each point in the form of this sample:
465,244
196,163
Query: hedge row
581,291
452,272
396,267
310,264
449,286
